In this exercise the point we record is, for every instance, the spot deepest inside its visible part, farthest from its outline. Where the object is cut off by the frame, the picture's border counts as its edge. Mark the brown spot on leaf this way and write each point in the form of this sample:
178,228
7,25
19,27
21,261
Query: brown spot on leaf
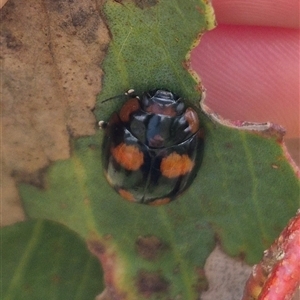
107,237
201,133
202,284
11,207
112,266
93,147
56,6
228,145
176,270
242,255
201,11
12,42
87,202
96,247
80,18
86,23
56,279
36,178
149,247
274,131
149,283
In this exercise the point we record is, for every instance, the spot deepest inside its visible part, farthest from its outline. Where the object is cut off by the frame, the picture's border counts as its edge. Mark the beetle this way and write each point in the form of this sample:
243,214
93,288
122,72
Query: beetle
152,147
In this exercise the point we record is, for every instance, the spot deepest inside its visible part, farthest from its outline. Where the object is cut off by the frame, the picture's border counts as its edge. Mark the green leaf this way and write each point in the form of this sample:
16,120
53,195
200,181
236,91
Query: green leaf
150,41
244,193
44,260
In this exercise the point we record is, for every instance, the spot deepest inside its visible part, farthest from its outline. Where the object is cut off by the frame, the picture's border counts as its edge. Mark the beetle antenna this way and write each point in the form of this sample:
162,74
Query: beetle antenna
128,93
112,98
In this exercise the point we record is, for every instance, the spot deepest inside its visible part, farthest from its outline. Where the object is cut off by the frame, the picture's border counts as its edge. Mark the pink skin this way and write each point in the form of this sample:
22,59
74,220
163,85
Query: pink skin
249,64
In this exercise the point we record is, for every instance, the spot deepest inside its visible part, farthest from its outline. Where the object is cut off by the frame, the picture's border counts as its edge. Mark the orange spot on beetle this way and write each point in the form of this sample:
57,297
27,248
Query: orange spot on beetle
175,165
129,107
158,202
126,195
128,156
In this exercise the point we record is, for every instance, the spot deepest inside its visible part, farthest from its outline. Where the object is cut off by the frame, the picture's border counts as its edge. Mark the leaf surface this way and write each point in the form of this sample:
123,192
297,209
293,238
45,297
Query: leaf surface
44,260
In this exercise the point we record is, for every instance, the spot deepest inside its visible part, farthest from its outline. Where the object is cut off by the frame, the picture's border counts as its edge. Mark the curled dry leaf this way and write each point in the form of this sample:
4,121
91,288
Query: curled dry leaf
51,74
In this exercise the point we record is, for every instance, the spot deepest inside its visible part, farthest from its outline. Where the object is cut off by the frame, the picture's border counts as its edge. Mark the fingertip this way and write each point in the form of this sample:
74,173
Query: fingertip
277,13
